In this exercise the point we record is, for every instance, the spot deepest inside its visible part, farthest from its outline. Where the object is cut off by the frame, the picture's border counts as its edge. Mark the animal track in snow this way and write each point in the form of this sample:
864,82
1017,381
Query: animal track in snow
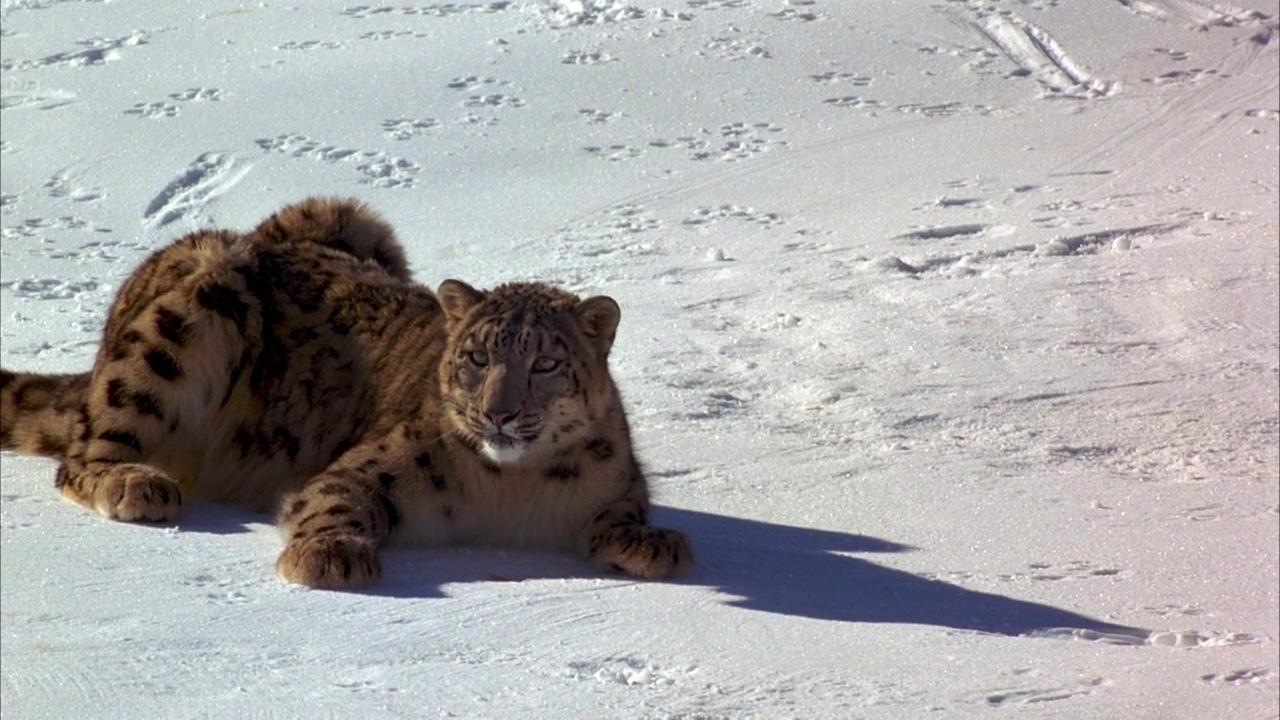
219,590
946,231
1068,453
798,15
631,219
1189,76
1171,610
162,109
1034,572
731,143
627,671
949,109
153,110
1074,570
1032,696
586,57
1178,55
38,227
947,202
209,176
97,51
406,129
61,186
298,146
625,219
706,215
361,12
966,264
1239,677
376,168
614,153
832,77
714,404
196,94
617,234
99,250
728,48
741,129
473,120
50,288
390,34
474,82
492,100
853,101
1196,638
32,95
562,14
310,45
598,117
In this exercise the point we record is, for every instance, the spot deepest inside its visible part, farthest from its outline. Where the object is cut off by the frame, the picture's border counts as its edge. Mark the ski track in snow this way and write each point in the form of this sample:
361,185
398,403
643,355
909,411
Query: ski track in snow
1201,15
188,196
1039,55
961,395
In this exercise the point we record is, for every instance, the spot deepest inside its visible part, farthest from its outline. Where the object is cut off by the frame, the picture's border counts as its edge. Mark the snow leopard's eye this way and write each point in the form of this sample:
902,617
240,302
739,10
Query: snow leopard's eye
479,358
544,364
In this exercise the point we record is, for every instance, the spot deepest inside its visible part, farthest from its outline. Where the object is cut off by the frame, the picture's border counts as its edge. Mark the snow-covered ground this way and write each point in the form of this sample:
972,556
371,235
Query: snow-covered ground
949,336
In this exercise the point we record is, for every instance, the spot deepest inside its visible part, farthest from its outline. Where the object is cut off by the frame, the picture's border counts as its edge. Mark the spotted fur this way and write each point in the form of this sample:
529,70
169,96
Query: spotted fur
298,368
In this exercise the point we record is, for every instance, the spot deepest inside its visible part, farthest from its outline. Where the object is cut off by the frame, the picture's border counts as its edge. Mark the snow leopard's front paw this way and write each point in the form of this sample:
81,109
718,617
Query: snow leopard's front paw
330,562
619,539
129,492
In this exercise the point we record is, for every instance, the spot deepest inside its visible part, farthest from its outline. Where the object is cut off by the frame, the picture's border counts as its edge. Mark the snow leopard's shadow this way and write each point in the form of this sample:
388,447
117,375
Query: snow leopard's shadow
820,574
774,568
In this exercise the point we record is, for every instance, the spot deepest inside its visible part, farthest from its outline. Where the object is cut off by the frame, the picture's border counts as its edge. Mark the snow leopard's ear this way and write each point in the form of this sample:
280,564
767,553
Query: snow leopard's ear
457,298
598,320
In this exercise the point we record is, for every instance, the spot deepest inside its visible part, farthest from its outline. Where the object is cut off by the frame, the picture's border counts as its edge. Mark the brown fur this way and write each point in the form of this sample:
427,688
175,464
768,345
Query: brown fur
297,367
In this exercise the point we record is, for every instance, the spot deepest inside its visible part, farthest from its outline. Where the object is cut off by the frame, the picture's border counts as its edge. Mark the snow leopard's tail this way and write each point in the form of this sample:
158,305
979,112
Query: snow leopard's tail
39,413
339,223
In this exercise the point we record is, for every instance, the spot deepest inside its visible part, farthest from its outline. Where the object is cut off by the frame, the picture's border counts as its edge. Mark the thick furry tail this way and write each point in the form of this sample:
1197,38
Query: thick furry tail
38,413
342,224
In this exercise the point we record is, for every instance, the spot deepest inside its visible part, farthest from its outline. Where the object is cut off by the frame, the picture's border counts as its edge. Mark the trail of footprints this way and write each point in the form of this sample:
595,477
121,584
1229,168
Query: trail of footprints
171,106
386,170
978,261
374,167
714,387
1244,676
627,670
1037,695
938,249
362,12
871,106
731,142
93,51
474,82
1038,572
406,128
62,186
586,57
598,117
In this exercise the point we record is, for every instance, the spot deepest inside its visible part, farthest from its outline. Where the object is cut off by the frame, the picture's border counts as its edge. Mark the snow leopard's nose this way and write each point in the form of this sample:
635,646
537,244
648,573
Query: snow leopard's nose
499,418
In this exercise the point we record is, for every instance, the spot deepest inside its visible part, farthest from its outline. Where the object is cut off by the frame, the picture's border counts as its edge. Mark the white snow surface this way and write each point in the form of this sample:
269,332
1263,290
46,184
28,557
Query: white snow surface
949,336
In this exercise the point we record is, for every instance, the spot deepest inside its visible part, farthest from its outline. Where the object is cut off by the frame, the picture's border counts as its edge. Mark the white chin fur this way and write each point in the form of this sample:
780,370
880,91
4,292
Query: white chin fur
502,454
